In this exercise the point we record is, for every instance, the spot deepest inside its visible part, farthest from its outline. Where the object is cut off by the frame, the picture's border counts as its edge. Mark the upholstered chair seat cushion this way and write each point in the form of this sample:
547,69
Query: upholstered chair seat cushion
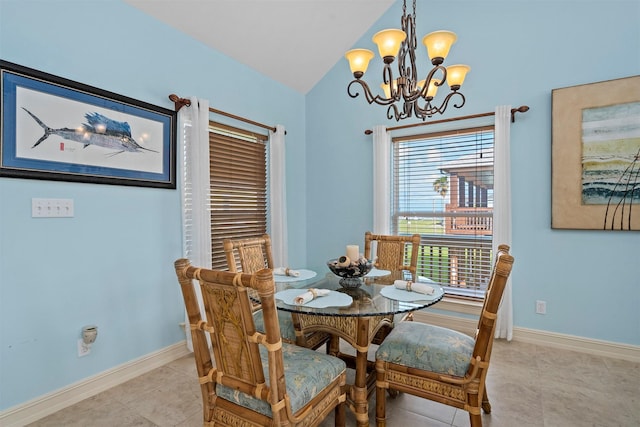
287,331
307,371
427,347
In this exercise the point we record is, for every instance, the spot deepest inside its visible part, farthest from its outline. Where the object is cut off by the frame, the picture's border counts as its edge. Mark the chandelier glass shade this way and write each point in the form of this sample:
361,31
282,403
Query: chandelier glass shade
406,95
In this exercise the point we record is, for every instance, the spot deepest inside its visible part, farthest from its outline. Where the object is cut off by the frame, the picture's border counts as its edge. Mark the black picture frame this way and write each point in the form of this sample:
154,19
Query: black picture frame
53,128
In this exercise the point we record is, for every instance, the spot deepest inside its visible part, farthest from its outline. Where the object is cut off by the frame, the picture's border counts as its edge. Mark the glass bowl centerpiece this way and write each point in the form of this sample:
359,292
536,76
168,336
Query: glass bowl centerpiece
351,272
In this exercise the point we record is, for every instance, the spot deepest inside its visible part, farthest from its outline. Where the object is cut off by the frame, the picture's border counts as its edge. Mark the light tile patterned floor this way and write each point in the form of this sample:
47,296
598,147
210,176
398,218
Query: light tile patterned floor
528,385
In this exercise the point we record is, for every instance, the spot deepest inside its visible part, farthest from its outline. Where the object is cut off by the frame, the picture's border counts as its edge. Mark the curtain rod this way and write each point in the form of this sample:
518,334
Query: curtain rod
521,109
182,102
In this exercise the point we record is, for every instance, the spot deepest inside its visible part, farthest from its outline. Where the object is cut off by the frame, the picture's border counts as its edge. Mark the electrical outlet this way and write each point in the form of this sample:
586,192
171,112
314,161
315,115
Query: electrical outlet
83,349
541,307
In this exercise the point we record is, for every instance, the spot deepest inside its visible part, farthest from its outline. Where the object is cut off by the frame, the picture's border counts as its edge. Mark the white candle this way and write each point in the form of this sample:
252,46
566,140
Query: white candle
353,252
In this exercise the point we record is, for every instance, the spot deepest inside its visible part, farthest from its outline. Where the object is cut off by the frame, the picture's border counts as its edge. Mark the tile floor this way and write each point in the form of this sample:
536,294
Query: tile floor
529,386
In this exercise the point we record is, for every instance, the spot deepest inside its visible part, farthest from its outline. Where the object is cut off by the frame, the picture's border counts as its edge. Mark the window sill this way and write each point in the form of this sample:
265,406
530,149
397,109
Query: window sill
459,305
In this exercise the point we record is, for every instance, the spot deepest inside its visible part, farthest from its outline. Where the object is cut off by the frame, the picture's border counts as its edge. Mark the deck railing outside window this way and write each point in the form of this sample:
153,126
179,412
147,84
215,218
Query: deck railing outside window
455,248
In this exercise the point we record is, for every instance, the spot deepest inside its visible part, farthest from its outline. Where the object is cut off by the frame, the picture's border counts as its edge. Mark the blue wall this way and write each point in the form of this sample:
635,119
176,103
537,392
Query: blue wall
518,52
111,264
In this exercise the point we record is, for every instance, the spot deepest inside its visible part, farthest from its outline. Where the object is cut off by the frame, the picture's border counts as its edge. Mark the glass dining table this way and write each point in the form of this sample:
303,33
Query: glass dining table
355,315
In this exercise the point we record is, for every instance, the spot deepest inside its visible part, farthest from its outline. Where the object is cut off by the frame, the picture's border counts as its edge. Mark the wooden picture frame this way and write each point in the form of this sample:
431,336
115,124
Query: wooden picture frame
57,129
595,156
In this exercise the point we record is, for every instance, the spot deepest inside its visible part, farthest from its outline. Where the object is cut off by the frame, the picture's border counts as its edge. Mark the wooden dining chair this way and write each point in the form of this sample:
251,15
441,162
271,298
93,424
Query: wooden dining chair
252,255
254,379
393,253
440,364
248,255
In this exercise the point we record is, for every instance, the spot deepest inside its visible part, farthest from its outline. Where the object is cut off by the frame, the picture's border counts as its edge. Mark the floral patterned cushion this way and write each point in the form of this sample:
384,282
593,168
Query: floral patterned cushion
306,373
427,347
287,331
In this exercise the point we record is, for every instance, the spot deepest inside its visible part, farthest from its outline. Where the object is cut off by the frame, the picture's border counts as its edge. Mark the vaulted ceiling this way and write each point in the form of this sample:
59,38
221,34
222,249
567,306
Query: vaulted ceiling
295,42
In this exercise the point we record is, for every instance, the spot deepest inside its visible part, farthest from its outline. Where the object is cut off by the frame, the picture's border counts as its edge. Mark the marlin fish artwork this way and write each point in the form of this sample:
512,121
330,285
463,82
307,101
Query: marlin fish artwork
99,130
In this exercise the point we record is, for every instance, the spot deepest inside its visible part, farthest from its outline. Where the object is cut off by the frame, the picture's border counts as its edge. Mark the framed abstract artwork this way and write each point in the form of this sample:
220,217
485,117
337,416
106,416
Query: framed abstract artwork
57,129
595,156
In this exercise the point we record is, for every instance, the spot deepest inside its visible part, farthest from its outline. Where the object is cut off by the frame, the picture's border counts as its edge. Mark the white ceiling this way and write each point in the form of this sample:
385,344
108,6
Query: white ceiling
295,42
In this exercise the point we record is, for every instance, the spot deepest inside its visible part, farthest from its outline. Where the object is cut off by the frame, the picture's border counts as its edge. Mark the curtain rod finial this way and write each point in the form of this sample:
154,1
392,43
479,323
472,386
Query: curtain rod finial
179,102
521,109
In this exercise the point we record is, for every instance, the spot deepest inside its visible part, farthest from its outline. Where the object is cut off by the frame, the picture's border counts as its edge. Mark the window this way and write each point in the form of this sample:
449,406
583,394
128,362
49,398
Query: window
237,197
442,188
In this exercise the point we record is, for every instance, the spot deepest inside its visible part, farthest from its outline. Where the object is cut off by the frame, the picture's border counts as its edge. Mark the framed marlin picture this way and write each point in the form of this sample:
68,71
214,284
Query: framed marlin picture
57,129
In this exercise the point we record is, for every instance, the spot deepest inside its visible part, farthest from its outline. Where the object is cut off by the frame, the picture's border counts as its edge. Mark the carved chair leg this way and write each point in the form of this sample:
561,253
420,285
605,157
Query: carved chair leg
473,403
475,420
333,346
380,407
486,405
340,417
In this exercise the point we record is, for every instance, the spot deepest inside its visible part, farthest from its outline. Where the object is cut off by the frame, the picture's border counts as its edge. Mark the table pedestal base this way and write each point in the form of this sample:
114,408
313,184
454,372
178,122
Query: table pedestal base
358,332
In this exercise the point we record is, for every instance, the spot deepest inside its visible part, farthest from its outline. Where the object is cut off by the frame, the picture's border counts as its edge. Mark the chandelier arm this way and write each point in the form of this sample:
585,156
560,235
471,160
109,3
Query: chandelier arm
408,109
463,99
430,76
424,112
365,88
394,90
383,101
397,115
367,93
411,96
429,110
393,108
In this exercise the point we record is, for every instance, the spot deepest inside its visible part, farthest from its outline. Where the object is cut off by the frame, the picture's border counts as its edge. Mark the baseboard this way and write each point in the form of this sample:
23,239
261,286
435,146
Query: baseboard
48,404
52,402
581,344
533,336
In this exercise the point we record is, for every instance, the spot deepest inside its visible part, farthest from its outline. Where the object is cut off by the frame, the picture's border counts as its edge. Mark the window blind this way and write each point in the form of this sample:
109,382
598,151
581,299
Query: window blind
238,174
443,189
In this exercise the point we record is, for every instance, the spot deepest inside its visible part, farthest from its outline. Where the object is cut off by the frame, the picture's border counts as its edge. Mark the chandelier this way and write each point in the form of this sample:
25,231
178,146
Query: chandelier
417,96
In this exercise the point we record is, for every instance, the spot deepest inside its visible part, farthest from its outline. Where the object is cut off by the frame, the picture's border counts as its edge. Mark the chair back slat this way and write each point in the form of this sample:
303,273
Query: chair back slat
229,312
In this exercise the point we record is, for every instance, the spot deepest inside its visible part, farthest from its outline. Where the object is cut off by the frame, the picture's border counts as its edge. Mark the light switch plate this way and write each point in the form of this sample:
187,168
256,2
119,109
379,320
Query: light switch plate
51,208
